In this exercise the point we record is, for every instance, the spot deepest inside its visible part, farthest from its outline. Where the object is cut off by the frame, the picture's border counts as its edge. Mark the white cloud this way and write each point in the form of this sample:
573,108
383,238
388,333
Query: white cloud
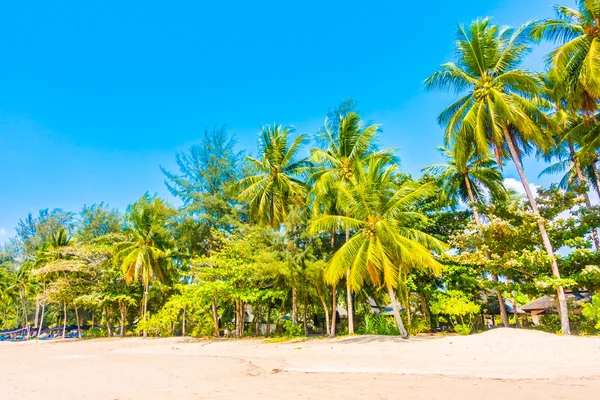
517,186
3,232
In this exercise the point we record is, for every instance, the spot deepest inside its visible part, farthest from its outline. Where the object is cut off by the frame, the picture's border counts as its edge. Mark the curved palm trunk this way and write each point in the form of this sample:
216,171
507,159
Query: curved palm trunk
215,316
399,322
145,334
333,311
494,278
586,198
562,300
326,308
349,296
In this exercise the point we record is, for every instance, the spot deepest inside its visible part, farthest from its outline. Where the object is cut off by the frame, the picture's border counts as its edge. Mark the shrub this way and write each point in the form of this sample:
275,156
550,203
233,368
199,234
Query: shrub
457,306
462,329
592,311
379,325
293,330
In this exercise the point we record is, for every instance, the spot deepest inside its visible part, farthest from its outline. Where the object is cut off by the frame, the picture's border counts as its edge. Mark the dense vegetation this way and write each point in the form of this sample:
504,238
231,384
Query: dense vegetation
285,240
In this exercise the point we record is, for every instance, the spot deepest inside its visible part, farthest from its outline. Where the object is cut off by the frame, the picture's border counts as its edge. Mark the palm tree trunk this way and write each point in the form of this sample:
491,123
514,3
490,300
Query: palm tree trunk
257,322
183,323
42,317
333,311
294,305
494,278
268,331
37,311
562,300
399,322
586,198
123,310
107,319
305,322
145,334
515,313
215,316
326,308
77,318
24,305
349,296
64,319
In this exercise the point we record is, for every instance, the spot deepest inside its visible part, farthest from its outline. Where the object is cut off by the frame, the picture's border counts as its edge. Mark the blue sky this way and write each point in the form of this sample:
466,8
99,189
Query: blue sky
94,96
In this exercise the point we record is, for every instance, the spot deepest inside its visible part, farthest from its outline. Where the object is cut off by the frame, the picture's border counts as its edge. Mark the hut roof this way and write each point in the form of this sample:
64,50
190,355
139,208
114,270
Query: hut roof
549,303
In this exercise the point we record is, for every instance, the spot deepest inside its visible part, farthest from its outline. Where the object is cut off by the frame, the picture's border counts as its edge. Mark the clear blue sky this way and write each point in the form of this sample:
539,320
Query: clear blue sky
94,96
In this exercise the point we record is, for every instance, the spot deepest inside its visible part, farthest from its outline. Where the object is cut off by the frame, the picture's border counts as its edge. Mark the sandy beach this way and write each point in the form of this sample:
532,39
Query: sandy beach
499,364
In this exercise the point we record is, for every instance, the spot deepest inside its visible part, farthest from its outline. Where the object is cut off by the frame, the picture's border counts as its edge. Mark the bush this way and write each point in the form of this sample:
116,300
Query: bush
592,311
293,330
457,306
96,333
379,325
462,329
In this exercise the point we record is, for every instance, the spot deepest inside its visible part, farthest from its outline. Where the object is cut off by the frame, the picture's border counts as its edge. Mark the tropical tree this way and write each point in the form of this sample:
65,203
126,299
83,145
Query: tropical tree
386,245
276,176
346,148
500,108
145,253
577,60
471,178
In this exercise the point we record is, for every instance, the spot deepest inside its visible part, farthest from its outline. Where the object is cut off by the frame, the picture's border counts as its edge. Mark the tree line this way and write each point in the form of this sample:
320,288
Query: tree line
286,241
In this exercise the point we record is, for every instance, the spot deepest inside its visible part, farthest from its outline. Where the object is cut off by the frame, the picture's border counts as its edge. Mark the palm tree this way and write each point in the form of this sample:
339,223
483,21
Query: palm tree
568,133
578,58
45,256
347,147
469,179
386,245
276,178
145,254
500,108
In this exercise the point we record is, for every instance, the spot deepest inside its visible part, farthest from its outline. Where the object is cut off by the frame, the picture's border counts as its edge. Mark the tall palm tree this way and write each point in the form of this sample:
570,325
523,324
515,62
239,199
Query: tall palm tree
568,126
49,252
145,254
347,147
276,176
578,57
469,178
500,108
386,245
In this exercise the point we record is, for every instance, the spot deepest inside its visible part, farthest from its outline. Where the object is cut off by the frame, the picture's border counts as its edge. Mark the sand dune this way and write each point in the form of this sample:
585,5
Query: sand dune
493,365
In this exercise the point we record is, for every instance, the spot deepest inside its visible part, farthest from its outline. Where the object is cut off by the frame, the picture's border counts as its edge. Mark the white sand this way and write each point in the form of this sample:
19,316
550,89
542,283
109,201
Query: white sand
499,364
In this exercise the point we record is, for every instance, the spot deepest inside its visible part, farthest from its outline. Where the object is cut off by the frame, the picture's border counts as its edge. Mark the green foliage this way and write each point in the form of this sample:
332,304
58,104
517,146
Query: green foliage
592,310
292,330
462,329
457,306
379,325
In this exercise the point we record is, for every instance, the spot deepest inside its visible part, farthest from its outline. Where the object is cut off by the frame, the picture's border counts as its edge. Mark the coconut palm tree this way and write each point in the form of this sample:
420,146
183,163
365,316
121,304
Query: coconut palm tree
145,254
568,128
386,245
276,176
577,59
471,179
500,108
347,147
